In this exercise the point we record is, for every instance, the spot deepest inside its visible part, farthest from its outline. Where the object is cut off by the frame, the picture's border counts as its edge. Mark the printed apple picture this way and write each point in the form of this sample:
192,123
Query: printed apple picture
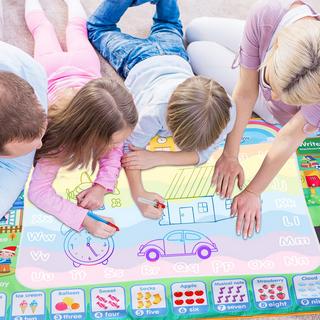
178,294
189,293
200,301
185,297
190,301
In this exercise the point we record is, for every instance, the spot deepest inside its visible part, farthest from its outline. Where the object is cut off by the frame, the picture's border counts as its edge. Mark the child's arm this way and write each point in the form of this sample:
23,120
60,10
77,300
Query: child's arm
247,204
137,190
109,168
227,168
148,126
42,194
140,159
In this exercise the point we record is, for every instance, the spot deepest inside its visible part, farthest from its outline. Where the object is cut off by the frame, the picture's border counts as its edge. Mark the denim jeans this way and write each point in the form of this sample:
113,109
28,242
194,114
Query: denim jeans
124,51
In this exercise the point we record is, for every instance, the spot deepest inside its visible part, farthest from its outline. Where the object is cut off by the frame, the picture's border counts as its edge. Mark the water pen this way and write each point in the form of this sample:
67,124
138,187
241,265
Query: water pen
98,218
155,203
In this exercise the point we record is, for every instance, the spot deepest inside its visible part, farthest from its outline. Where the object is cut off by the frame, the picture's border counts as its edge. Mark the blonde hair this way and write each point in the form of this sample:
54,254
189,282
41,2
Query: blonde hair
198,111
81,124
294,63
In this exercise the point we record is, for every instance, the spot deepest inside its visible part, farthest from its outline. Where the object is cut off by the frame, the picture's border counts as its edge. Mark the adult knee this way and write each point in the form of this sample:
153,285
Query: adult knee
195,29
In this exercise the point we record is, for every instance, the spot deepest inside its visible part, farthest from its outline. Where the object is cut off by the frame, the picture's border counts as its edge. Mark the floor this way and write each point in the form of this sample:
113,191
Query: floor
137,21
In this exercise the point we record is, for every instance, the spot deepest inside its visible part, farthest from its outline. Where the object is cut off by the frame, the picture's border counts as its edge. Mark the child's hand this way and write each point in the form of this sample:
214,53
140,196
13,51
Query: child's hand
247,207
97,228
91,198
149,211
140,159
226,171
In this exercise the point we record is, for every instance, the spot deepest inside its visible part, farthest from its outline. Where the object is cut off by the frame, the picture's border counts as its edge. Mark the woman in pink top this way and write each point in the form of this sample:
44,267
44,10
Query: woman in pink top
279,79
89,117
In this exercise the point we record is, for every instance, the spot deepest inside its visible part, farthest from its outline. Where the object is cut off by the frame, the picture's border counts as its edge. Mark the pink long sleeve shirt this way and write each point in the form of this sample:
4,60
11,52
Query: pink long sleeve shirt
41,192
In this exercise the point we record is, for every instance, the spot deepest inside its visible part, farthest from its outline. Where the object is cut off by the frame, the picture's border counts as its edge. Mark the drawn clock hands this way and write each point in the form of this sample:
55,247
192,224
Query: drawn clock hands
90,247
84,249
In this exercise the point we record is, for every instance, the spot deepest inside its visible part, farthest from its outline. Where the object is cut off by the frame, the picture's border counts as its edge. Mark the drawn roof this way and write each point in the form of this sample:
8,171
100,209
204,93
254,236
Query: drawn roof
191,183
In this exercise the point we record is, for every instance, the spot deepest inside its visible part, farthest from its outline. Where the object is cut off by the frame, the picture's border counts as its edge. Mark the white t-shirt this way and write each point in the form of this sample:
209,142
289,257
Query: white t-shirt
152,82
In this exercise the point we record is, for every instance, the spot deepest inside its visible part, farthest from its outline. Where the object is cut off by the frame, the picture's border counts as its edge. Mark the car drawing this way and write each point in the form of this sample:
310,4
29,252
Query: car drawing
178,243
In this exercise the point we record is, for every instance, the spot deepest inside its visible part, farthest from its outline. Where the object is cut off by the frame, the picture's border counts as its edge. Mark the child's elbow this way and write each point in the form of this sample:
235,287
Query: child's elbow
34,194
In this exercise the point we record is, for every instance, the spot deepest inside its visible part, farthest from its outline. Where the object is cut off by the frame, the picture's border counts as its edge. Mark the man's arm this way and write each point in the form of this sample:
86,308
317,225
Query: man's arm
13,176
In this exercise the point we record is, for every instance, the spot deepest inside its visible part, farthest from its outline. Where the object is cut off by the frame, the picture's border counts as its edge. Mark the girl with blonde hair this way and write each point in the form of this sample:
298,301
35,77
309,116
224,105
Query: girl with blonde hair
279,79
89,118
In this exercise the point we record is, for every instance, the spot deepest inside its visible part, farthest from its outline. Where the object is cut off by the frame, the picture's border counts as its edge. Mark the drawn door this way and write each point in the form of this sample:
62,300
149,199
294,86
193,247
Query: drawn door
186,215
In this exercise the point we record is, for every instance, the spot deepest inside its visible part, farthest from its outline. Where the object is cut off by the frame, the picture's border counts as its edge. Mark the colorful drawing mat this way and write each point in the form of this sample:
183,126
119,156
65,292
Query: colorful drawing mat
188,264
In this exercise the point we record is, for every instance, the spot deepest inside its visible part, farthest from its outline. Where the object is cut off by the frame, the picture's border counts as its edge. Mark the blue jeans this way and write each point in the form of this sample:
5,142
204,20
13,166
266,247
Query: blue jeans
124,51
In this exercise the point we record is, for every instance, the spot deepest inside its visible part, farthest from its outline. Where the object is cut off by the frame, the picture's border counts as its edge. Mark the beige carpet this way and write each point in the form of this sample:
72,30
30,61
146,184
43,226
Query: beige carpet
137,21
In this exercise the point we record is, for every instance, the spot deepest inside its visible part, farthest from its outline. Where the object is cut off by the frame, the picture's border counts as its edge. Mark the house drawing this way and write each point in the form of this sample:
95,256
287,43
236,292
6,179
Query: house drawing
190,199
19,203
12,218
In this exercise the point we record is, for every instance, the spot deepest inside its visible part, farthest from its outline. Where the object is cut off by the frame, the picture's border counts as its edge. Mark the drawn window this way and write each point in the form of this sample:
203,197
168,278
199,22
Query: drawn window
175,237
228,204
192,236
203,207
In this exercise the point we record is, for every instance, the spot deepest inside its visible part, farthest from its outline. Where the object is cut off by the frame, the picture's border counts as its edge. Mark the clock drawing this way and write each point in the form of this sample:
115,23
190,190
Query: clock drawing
84,249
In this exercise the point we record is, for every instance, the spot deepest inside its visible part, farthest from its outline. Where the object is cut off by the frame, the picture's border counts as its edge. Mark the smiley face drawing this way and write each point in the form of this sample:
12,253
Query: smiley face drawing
84,249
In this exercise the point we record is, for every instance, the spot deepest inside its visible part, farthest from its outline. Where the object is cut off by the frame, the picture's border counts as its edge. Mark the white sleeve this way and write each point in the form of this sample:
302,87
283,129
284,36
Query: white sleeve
149,124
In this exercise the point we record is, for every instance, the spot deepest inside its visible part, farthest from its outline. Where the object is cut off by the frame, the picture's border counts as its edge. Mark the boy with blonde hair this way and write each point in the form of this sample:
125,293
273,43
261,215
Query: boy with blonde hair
171,101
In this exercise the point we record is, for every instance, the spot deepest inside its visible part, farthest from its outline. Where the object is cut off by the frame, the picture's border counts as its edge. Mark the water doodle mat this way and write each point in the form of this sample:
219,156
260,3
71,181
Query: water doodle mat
189,264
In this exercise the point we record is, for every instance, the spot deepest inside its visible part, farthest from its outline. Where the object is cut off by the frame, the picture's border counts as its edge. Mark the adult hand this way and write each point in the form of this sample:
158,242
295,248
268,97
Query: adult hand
247,207
227,170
